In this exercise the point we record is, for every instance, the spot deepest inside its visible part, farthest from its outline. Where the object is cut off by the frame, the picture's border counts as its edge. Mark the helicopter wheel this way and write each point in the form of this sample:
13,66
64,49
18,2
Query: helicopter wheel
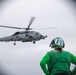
14,43
33,42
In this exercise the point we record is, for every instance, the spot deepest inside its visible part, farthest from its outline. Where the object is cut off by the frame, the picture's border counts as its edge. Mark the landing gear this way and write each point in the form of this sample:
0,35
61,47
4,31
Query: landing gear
34,42
14,43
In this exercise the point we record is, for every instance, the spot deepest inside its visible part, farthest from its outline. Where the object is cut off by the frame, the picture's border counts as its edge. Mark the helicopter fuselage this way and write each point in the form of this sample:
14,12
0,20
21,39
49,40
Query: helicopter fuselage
25,36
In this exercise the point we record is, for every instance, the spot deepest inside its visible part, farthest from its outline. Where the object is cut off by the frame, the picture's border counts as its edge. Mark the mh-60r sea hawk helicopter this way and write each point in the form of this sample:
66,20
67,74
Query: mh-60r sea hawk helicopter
24,36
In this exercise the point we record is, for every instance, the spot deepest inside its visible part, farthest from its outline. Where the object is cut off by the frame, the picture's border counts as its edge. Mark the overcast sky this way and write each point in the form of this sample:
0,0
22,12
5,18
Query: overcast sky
24,58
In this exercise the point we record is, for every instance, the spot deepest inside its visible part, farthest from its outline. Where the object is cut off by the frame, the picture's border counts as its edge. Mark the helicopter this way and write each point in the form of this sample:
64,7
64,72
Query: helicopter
24,36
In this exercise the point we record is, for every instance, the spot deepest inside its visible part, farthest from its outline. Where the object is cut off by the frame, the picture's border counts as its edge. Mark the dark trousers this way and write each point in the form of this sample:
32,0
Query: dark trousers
61,74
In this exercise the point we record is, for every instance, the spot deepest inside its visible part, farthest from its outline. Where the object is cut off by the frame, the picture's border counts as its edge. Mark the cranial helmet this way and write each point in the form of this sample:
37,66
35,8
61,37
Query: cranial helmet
57,42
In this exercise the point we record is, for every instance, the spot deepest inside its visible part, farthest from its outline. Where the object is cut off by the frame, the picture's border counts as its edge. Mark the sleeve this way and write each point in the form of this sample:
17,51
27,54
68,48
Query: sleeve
43,63
73,59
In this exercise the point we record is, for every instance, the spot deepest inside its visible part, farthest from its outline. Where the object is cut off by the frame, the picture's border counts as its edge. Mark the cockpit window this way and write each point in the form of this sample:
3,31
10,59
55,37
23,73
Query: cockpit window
16,33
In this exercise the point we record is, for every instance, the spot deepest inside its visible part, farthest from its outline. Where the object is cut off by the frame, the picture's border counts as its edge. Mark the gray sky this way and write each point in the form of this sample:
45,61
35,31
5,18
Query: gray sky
24,58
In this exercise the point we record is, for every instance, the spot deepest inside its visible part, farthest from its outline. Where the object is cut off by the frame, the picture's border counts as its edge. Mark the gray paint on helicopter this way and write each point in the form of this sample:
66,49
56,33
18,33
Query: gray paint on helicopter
26,36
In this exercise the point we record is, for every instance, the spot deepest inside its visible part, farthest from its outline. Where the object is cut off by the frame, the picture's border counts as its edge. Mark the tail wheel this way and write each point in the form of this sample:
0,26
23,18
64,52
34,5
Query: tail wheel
14,43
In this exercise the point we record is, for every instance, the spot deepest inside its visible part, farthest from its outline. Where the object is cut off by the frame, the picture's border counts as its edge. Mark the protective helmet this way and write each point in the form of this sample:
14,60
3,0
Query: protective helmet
57,42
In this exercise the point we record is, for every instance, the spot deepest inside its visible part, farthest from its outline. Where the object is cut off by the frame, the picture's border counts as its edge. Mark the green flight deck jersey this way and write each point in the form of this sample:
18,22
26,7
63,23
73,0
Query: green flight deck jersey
59,62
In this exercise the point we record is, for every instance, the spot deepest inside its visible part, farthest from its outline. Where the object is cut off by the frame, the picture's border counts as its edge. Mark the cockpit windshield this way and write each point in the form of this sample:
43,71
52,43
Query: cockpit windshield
16,33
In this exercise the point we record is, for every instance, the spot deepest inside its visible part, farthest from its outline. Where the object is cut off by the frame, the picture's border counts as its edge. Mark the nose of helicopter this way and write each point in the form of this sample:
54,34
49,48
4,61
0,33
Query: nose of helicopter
44,37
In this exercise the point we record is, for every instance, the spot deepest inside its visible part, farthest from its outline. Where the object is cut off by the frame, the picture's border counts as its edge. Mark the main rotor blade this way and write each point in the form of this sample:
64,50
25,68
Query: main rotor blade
51,28
11,27
26,28
46,28
32,19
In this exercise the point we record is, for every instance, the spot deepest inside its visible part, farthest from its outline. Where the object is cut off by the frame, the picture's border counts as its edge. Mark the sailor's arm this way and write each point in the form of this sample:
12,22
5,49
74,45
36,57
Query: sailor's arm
43,63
